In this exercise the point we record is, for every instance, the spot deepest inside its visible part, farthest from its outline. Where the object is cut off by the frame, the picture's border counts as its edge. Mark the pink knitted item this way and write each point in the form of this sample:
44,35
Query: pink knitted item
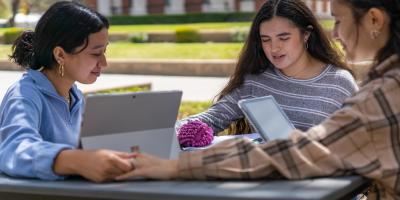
195,134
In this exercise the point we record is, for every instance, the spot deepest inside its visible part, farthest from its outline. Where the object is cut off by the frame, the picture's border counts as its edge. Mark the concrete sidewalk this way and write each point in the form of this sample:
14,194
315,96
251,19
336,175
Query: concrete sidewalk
194,88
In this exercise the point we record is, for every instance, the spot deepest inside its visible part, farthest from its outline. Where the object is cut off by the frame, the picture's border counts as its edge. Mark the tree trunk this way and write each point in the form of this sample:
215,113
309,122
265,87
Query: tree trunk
14,8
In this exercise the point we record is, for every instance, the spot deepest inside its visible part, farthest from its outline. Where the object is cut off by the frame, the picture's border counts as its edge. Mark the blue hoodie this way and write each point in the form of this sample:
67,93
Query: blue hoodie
36,123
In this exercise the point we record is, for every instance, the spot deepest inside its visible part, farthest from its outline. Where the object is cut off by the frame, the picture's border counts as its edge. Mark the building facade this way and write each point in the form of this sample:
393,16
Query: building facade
143,7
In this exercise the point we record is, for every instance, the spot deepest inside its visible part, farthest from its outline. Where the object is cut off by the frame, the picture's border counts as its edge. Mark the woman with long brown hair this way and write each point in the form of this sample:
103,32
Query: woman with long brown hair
286,55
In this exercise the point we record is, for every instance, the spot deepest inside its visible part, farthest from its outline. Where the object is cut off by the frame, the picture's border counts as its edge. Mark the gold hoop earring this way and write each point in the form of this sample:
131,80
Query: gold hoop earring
61,70
374,34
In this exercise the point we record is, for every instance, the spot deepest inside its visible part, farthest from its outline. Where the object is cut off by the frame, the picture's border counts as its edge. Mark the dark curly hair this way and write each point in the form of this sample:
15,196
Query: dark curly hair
65,24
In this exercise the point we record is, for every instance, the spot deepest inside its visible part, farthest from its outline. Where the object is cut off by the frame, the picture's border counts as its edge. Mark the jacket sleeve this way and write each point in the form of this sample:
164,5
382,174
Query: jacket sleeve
23,152
340,145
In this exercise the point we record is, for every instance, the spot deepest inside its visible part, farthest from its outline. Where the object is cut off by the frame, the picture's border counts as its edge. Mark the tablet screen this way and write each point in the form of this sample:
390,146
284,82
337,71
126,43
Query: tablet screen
268,118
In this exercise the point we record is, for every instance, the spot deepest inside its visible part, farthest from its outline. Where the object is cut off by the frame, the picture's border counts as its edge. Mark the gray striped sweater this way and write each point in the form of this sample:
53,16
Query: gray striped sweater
305,102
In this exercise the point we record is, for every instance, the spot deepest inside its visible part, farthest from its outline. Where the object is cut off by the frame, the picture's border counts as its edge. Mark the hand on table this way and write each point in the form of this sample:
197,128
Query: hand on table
152,167
95,165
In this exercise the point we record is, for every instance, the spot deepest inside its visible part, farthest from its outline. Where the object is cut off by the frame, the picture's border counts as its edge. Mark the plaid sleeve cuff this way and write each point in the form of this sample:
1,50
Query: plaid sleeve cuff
190,165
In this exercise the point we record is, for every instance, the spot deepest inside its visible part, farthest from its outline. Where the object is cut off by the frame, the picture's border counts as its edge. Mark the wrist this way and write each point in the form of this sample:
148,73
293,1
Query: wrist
66,162
174,169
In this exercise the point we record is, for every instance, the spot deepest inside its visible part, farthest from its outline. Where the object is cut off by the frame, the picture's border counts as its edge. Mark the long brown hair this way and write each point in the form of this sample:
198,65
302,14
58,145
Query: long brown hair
252,59
392,8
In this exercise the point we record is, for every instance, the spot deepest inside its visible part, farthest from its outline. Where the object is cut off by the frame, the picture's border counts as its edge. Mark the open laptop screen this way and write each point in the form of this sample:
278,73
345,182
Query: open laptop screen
267,117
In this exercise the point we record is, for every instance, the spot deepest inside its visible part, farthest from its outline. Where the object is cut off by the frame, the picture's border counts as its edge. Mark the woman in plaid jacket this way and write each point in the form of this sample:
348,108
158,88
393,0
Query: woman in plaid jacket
361,138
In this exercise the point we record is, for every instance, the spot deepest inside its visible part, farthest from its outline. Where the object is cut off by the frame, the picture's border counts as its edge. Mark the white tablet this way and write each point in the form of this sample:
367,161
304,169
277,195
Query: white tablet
267,117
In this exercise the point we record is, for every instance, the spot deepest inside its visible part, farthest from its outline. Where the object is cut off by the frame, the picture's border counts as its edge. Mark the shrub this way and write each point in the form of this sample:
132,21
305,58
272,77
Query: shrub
239,36
11,35
182,18
187,35
139,38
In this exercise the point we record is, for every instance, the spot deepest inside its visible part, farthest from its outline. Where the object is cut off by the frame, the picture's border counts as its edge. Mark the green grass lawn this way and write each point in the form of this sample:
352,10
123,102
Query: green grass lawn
174,50
173,27
164,50
189,108
223,26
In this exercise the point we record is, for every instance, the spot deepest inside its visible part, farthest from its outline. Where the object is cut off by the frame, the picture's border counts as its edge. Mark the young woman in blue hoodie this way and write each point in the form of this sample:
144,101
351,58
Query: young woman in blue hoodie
41,113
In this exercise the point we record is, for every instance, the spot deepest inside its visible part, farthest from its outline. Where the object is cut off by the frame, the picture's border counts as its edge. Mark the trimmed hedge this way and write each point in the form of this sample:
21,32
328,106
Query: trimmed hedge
181,18
187,35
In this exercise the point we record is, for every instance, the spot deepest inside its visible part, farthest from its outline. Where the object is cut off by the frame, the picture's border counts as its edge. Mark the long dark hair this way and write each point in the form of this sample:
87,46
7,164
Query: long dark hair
392,8
64,24
252,59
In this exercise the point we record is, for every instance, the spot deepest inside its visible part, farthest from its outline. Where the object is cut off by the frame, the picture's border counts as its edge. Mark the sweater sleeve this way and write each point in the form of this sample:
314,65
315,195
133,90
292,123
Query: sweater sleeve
221,114
23,152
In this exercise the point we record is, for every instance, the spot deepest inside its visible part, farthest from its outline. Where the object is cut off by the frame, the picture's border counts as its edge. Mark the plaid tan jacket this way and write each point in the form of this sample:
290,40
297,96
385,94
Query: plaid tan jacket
362,138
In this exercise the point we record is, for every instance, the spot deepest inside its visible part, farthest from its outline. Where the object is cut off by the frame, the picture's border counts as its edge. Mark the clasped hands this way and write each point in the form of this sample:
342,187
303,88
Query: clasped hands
107,165
150,167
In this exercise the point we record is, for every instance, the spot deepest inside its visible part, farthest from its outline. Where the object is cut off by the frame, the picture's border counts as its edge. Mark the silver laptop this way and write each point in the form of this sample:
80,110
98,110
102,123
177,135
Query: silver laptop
127,121
267,117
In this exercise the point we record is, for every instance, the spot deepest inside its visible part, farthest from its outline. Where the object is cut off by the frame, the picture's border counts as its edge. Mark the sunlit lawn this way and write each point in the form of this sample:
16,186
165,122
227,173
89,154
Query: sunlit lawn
223,26
173,27
164,50
174,50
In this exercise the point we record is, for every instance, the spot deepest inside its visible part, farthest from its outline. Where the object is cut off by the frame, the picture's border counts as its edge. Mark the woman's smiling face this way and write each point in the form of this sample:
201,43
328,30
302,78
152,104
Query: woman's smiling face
87,65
